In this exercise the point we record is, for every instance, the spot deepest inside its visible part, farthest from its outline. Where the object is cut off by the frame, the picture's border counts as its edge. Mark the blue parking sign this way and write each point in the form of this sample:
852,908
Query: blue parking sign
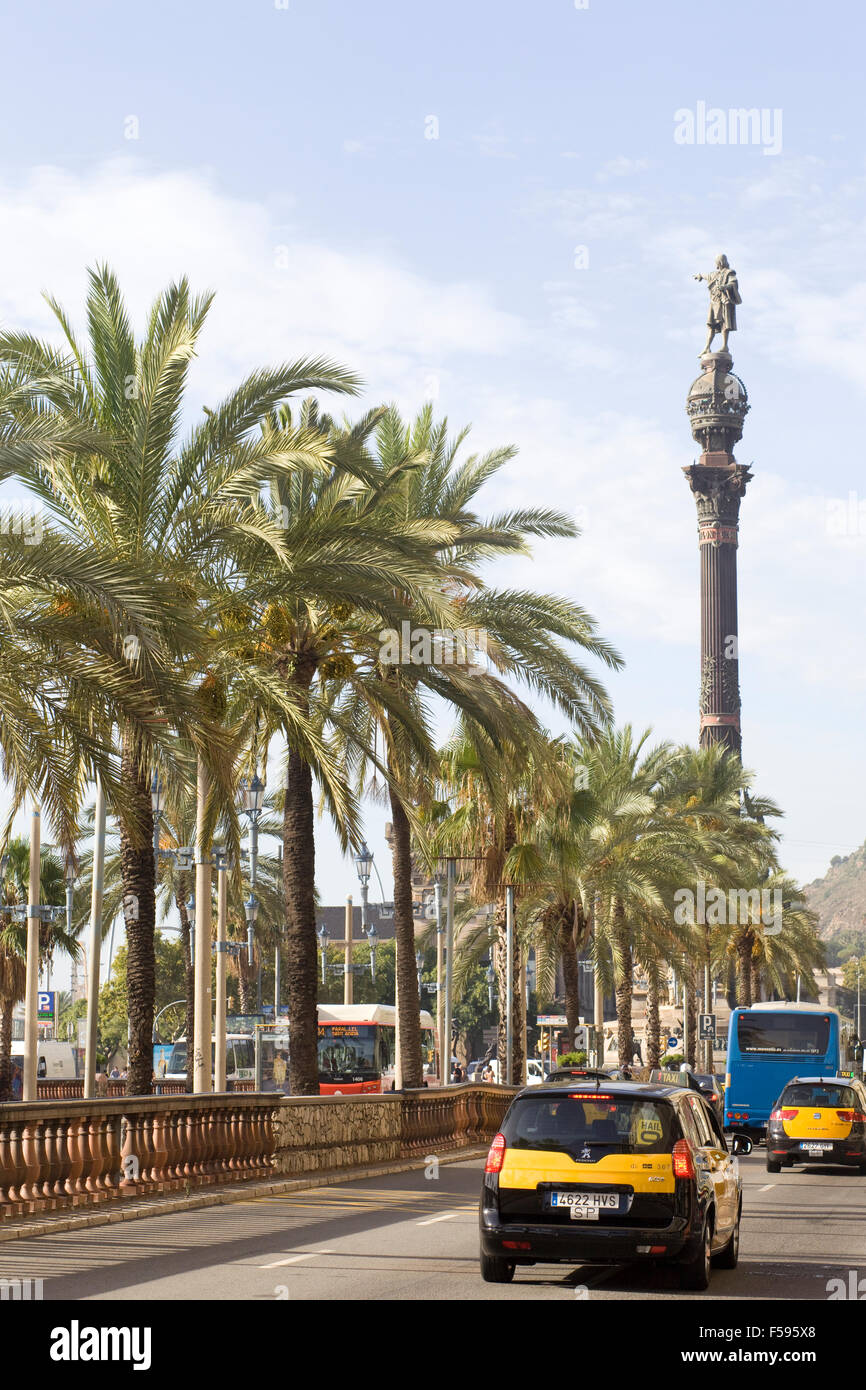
45,1006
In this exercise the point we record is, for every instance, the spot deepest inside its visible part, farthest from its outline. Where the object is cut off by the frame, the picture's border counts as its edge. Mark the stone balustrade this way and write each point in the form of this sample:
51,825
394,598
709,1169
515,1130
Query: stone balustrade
83,1153
72,1153
74,1089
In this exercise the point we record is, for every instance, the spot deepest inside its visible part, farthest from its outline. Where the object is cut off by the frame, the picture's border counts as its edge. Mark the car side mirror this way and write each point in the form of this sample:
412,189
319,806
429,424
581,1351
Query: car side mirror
742,1144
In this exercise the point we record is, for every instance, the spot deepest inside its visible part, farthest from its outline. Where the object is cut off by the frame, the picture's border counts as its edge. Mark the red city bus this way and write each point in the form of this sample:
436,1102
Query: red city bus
356,1047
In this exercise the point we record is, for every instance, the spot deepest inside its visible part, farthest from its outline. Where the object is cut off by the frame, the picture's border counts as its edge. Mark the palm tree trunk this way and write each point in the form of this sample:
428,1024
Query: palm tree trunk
570,972
189,984
691,1018
299,890
744,970
624,981
653,1017
138,876
756,981
246,982
500,965
409,1004
6,1009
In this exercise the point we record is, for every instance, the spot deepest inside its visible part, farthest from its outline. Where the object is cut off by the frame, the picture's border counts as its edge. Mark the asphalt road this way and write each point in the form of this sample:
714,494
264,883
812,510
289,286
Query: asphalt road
413,1237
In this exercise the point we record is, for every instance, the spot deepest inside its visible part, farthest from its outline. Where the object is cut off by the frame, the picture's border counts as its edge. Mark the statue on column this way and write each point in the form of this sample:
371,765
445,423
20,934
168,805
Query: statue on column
724,298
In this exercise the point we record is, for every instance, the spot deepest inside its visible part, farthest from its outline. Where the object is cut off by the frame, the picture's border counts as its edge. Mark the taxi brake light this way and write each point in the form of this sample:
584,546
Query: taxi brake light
496,1155
588,1095
784,1115
682,1159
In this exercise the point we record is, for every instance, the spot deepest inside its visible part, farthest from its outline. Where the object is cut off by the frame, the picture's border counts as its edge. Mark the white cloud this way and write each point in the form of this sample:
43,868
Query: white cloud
621,168
278,293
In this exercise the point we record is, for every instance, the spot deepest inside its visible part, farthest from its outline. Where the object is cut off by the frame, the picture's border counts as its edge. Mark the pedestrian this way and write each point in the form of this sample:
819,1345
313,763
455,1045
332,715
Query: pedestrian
114,1074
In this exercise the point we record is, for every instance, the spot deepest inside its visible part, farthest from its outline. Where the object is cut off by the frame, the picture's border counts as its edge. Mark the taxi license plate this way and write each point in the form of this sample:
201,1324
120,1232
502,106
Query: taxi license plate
585,1206
815,1148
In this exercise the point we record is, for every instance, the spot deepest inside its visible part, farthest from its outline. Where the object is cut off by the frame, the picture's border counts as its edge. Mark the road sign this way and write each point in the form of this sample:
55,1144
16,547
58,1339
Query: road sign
552,1021
45,1006
706,1026
672,1043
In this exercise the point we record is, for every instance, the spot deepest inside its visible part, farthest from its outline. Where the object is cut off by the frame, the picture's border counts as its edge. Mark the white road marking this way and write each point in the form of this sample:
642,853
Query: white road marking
431,1220
293,1259
767,1187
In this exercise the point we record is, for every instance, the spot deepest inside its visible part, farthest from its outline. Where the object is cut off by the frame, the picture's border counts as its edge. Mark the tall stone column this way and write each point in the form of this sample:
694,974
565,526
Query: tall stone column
717,405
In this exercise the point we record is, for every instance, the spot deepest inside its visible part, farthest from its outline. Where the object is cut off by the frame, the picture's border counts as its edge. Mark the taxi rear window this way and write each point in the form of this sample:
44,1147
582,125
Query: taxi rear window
569,1123
820,1093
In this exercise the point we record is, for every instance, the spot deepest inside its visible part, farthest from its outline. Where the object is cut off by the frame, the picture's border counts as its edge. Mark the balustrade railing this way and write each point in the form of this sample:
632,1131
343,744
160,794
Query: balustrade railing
452,1117
85,1153
67,1153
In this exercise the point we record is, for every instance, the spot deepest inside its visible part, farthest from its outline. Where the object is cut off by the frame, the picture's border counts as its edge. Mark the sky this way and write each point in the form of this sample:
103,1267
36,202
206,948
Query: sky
500,207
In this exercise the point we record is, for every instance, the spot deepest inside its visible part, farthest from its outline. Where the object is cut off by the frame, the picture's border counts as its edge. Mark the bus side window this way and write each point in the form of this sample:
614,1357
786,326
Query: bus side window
230,1058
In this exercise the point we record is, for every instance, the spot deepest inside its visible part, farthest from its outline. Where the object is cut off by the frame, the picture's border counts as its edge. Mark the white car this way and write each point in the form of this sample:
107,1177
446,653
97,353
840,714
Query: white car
534,1072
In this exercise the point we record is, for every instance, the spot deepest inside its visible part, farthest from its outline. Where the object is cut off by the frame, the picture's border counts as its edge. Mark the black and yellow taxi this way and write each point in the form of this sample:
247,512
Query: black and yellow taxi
610,1172
818,1119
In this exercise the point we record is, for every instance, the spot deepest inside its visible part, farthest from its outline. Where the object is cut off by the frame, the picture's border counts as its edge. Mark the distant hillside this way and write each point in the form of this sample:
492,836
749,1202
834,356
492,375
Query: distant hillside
839,898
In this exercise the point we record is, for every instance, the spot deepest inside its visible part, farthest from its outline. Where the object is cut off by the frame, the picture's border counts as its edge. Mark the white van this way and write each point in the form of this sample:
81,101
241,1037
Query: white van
55,1061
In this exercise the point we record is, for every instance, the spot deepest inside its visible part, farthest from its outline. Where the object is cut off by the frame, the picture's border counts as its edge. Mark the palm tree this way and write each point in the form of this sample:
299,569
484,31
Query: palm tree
640,843
312,636
176,509
425,483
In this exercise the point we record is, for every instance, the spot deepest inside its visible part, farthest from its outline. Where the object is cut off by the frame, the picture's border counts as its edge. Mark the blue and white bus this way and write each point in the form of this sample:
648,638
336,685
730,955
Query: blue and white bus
768,1044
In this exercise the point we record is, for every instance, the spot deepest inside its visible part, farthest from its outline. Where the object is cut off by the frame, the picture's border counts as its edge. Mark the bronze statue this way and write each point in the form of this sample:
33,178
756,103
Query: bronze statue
724,298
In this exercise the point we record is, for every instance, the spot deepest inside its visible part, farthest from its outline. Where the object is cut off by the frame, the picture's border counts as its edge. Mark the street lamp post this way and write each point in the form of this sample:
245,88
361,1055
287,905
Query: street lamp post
859,1036
440,994
253,794
202,1075
219,1064
509,986
348,983
96,891
449,962
322,934
34,917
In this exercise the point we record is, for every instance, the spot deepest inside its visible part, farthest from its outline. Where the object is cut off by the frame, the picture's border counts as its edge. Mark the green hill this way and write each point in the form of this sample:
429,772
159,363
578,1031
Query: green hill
839,898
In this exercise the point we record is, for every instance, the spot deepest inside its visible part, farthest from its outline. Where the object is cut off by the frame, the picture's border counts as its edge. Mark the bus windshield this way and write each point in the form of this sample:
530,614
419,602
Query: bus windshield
778,1034
348,1050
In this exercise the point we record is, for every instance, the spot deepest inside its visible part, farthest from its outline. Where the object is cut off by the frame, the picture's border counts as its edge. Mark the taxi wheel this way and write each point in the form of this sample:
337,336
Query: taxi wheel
696,1273
495,1270
727,1258
773,1166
